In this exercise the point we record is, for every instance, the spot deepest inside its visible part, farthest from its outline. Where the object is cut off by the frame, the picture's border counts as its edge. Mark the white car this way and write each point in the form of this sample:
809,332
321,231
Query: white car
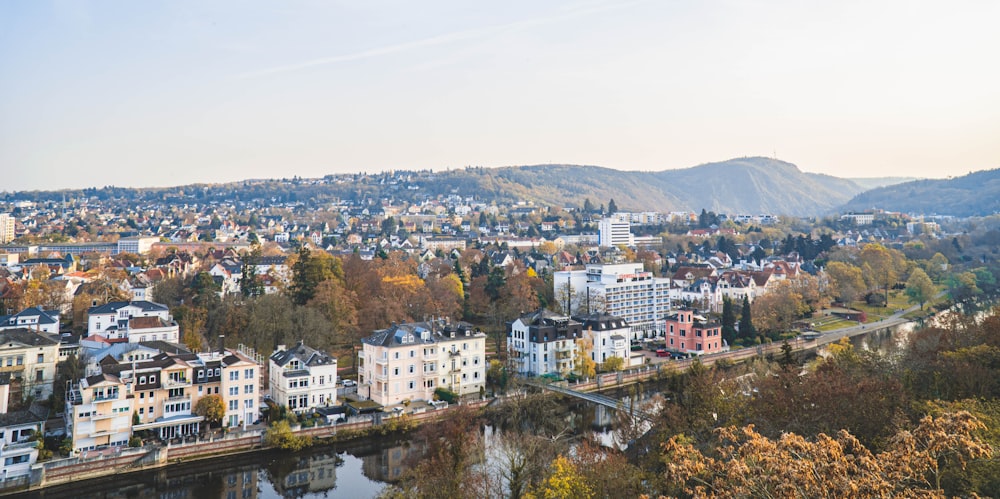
350,382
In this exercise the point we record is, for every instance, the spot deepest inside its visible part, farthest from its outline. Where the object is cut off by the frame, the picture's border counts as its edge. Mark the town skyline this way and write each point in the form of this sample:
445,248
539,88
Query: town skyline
172,93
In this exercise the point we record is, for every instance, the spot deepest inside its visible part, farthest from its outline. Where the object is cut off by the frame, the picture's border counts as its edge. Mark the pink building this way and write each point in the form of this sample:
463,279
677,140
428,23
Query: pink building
688,332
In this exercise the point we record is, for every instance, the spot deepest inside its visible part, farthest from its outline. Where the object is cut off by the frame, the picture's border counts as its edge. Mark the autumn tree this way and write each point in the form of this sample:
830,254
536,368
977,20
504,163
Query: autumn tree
919,288
563,482
212,408
846,281
585,366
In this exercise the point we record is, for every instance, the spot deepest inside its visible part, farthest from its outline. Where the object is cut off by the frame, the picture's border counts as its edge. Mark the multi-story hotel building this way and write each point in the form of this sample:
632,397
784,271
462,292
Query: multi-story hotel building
622,290
410,361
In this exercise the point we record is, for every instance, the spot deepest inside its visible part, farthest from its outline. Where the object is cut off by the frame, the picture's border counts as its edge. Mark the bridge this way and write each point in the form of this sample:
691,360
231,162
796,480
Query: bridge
596,398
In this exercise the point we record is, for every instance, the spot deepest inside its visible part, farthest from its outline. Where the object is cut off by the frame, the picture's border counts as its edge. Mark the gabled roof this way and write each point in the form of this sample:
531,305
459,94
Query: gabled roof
112,307
601,322
306,355
43,317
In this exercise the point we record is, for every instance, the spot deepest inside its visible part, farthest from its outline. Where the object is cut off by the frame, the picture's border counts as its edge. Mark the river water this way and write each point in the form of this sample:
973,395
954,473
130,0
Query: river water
356,470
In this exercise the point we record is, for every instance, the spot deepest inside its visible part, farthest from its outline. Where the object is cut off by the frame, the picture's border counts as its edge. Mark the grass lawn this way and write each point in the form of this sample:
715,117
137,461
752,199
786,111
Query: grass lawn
835,324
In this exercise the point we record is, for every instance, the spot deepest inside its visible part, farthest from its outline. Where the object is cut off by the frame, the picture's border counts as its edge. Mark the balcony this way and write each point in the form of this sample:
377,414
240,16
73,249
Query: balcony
178,398
105,397
175,383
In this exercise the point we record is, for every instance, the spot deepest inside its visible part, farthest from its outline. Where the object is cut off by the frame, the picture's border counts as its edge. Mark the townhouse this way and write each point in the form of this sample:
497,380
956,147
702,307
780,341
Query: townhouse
688,332
543,342
28,358
133,322
301,378
159,394
410,361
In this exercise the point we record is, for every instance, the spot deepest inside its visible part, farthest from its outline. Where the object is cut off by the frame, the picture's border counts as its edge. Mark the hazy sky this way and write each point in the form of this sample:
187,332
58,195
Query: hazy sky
142,93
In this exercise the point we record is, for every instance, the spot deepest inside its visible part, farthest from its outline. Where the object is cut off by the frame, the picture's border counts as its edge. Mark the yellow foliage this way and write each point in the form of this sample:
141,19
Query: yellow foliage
565,482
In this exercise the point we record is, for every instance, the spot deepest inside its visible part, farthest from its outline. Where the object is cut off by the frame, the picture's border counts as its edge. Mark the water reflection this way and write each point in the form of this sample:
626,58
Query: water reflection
359,470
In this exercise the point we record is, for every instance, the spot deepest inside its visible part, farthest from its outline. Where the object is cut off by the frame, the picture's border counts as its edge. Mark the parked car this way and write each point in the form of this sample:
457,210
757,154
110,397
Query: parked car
662,353
350,382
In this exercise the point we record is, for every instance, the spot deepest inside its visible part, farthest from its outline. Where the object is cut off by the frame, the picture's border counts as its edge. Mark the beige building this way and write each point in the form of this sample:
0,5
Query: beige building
161,392
301,378
30,358
6,228
410,361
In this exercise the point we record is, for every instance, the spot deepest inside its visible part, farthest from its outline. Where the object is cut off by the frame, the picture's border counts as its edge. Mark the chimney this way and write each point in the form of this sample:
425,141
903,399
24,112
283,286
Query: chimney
222,344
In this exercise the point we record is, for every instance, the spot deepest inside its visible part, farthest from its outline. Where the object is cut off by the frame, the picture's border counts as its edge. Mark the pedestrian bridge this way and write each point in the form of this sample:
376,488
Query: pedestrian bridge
596,398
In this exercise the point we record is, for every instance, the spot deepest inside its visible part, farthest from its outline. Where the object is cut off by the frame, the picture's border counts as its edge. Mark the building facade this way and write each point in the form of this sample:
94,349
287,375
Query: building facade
301,378
133,321
29,357
615,231
410,361
622,290
543,342
687,332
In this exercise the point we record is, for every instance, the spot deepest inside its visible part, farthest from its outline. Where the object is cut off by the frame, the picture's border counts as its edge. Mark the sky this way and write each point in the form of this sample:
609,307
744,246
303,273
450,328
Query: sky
158,93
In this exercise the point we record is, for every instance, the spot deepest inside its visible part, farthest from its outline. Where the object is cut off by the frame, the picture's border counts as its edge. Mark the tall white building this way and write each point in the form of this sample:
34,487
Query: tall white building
6,228
622,290
410,361
615,230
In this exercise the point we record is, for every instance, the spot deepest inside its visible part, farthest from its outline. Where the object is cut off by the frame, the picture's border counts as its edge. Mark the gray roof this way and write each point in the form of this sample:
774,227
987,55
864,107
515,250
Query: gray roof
28,337
408,334
306,355
112,307
43,316
34,414
602,322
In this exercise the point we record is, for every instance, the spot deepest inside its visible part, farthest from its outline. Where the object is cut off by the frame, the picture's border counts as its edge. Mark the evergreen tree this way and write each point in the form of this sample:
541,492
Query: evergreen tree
612,207
250,284
747,330
728,321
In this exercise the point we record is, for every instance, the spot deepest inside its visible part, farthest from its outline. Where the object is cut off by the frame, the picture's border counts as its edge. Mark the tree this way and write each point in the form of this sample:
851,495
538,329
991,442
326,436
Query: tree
728,321
919,288
585,366
212,408
846,281
250,284
564,482
612,207
309,270
614,363
747,331
280,435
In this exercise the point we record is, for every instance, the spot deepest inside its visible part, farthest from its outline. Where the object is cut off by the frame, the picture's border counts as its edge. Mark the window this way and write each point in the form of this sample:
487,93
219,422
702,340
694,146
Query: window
218,372
39,375
152,378
41,358
233,405
248,373
142,380
395,371
142,410
234,375
234,390
412,385
248,389
395,355
413,353
248,404
412,369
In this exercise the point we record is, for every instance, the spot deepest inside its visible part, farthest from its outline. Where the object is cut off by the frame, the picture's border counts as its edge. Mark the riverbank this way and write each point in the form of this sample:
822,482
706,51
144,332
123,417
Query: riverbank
96,464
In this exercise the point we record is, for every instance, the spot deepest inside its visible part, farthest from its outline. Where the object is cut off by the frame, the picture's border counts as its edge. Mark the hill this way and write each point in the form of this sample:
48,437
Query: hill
869,183
744,185
975,194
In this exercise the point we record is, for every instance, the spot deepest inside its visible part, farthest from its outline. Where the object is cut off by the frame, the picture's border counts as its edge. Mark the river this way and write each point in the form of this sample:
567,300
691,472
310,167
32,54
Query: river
358,469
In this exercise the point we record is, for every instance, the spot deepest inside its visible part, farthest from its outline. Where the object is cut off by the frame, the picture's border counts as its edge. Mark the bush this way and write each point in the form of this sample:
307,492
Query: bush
446,395
280,435
135,441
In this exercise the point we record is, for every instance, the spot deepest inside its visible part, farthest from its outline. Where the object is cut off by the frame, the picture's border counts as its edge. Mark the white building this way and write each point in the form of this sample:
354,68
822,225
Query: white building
30,358
17,452
302,378
33,318
136,245
543,342
622,290
410,361
132,321
609,337
6,228
614,231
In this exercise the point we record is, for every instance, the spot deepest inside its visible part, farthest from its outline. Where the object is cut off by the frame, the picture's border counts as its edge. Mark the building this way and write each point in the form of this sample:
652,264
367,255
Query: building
622,290
34,318
29,357
161,392
301,378
18,447
411,361
859,218
690,333
136,245
6,228
614,231
543,342
132,321
609,337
